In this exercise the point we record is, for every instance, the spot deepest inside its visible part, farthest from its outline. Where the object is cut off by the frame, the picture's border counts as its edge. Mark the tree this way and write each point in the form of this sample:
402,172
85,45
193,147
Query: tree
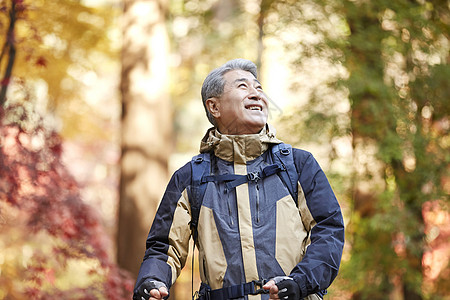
45,225
8,52
50,238
146,125
388,110
396,55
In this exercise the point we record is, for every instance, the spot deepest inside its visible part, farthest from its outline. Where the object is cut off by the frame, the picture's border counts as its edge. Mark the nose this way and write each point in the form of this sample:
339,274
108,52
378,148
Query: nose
254,94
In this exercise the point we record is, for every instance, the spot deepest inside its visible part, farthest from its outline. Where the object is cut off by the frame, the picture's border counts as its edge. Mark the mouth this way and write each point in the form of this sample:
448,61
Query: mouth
254,107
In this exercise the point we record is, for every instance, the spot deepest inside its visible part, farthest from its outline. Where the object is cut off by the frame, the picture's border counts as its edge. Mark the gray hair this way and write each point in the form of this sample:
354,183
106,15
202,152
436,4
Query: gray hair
214,82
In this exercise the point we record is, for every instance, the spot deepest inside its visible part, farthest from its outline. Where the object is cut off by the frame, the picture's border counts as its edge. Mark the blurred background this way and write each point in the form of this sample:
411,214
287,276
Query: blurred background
100,103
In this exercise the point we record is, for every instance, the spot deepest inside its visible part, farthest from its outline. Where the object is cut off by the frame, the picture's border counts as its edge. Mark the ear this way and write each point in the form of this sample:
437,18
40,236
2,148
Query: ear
213,106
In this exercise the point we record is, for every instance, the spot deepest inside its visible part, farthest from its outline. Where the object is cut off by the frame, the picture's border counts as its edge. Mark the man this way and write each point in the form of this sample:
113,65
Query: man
256,238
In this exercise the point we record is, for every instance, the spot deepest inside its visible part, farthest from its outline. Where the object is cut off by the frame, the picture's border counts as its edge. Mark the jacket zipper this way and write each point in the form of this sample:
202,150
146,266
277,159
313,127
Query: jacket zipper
257,202
229,211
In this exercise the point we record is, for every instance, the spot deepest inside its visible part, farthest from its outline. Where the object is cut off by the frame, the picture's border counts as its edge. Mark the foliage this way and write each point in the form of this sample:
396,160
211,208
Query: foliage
382,91
53,244
44,219
60,45
396,56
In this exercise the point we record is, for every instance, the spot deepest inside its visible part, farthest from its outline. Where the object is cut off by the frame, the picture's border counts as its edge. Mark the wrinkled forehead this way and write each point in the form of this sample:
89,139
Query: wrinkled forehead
235,76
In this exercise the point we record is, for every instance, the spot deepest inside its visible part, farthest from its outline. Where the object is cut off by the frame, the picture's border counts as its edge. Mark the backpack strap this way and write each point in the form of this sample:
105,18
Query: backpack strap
200,165
282,153
234,180
201,168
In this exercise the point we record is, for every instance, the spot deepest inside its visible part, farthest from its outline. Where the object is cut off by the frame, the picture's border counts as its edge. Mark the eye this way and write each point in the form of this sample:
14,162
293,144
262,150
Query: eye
242,85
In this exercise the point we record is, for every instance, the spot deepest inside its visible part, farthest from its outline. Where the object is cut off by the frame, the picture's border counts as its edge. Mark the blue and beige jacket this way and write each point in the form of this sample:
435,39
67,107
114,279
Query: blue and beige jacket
255,231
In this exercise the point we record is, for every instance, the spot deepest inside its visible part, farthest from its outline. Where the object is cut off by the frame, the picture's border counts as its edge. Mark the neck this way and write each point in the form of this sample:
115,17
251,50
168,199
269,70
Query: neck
231,130
238,148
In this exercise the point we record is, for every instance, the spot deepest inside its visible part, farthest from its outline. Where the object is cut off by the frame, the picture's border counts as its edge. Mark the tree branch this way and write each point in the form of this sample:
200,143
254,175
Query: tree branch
12,53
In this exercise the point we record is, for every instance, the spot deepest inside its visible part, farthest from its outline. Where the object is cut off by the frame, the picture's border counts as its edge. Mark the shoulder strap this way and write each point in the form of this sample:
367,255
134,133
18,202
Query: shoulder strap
283,154
200,165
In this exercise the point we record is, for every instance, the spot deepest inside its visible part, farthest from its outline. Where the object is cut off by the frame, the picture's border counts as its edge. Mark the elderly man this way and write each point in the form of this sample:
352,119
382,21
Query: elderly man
262,214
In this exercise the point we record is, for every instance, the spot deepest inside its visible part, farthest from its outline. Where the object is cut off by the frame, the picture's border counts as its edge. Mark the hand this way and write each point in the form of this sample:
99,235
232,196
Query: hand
158,294
272,288
283,287
151,290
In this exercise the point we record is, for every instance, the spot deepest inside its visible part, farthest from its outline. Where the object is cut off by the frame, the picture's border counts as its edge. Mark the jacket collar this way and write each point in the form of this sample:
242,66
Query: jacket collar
238,148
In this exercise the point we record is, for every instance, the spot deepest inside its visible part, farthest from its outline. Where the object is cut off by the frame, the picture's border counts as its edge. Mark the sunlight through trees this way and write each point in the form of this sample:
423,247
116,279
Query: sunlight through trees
100,101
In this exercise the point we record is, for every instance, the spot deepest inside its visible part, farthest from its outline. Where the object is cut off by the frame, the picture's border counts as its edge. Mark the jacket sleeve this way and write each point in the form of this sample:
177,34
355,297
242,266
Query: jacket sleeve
321,262
167,243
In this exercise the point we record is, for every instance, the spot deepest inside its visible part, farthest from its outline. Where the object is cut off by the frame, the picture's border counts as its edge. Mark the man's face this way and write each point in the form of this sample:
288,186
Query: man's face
243,106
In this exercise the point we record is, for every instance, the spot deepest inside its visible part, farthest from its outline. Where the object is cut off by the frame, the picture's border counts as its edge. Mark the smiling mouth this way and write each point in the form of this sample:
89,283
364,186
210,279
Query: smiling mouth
254,107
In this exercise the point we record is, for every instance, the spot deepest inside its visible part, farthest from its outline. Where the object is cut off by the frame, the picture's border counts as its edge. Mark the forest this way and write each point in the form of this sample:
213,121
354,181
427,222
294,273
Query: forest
100,103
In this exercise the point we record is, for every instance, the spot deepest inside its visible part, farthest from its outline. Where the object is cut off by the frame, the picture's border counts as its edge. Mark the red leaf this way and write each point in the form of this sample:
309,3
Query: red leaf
50,276
41,62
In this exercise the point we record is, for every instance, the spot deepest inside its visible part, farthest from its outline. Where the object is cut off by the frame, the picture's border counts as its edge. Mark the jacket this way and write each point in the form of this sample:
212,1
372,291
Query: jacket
255,231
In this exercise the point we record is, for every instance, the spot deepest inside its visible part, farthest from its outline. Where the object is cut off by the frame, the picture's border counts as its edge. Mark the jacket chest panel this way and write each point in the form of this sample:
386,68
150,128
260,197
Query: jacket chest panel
259,198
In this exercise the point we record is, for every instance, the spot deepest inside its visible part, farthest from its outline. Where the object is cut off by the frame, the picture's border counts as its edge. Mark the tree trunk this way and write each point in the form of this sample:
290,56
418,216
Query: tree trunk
264,8
9,47
146,125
